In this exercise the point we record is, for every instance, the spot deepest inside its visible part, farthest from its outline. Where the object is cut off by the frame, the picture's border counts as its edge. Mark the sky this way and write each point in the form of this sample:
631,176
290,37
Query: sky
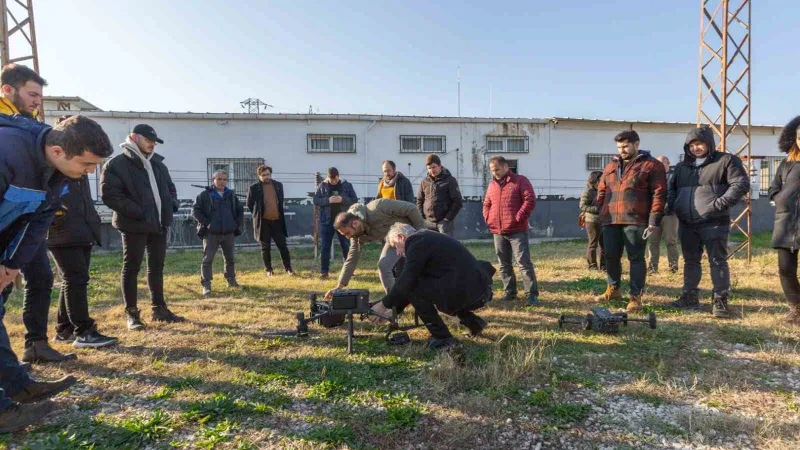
621,59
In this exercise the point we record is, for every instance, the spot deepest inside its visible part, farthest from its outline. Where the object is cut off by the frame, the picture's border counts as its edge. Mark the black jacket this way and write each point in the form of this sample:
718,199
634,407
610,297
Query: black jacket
214,220
255,203
785,192
704,195
402,189
322,200
442,269
439,198
76,223
125,188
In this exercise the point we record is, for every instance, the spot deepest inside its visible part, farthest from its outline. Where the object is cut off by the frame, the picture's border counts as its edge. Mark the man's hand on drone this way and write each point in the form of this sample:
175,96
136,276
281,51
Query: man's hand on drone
329,294
381,310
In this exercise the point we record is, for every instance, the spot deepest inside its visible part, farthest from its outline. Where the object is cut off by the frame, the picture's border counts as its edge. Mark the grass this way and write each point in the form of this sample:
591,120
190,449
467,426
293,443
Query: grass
217,381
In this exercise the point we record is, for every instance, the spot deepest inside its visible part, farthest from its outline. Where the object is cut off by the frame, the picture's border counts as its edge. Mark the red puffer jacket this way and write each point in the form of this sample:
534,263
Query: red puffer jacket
507,208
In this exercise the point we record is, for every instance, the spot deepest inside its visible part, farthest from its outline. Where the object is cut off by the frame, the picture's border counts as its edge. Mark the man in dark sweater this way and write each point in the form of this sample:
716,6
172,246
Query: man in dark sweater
439,273
265,202
219,216
439,199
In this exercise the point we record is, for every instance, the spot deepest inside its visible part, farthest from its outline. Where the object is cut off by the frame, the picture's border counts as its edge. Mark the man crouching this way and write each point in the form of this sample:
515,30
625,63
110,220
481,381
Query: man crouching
439,273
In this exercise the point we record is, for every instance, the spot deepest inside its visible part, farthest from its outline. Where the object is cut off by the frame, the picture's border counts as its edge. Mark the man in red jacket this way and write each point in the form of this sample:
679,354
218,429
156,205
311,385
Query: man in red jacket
508,204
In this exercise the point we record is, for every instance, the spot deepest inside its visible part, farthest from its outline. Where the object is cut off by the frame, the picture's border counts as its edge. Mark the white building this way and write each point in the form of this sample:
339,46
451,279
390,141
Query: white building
555,153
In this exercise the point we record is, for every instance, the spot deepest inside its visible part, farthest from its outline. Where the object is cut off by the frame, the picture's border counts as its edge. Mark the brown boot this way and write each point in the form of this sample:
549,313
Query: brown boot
610,294
40,351
634,304
40,390
16,416
793,318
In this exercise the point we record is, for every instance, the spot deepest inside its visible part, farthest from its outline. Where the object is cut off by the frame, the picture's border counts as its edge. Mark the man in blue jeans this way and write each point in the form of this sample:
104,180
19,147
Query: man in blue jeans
35,162
333,196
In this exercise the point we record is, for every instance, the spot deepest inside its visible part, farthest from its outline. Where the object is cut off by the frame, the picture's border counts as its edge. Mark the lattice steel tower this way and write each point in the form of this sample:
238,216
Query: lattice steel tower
18,34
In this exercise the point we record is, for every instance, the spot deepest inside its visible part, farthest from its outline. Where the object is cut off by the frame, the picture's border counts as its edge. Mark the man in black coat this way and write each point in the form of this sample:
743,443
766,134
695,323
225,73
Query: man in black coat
75,229
701,192
265,202
137,186
439,273
219,215
439,199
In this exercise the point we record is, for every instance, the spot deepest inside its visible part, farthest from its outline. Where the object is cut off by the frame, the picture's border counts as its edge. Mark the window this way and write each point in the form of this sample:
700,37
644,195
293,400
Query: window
769,167
507,144
331,143
512,165
422,144
598,161
241,171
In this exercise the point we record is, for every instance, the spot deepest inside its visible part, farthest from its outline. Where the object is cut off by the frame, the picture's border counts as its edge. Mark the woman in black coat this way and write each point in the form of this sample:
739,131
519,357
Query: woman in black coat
785,192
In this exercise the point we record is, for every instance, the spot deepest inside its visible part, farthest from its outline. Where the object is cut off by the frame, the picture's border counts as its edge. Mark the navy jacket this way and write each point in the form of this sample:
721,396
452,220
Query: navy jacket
323,195
218,215
30,190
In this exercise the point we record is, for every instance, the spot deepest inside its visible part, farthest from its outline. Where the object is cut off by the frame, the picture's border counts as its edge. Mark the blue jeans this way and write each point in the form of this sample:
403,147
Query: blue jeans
326,233
627,238
13,378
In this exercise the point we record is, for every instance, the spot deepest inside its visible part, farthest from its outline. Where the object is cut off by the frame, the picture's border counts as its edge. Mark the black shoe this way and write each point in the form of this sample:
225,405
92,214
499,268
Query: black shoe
93,339
16,416
290,272
66,336
162,314
442,344
207,291
720,309
508,297
270,273
475,325
687,300
673,269
324,276
652,270
233,284
532,300
134,319
40,351
40,390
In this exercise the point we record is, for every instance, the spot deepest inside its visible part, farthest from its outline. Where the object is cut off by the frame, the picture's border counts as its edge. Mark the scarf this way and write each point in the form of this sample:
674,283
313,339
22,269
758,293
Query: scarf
148,166
390,183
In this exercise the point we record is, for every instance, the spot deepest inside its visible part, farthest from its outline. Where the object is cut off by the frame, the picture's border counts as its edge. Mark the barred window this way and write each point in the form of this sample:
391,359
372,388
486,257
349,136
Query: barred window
242,172
769,167
598,161
507,144
422,144
331,143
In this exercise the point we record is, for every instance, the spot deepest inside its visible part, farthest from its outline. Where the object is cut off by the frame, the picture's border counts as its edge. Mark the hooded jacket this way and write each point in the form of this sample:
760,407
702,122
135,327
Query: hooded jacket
125,188
378,216
785,192
30,190
76,223
703,195
633,195
439,198
218,214
402,189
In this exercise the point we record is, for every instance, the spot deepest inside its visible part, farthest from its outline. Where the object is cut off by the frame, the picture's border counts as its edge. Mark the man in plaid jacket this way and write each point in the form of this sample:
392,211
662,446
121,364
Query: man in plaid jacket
631,195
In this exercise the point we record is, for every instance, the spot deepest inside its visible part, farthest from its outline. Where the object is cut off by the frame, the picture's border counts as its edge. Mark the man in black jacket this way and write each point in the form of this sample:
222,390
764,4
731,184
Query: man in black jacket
219,216
439,199
705,185
438,273
137,186
75,229
265,202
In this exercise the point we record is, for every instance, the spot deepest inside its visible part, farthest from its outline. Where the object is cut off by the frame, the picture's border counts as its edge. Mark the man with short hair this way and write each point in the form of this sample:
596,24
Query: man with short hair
631,196
370,223
333,196
439,199
668,230
219,215
136,185
439,273
21,91
394,185
703,189
35,163
265,202
507,206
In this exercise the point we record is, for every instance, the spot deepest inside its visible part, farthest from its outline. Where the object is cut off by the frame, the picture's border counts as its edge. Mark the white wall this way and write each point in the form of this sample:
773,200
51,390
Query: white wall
556,163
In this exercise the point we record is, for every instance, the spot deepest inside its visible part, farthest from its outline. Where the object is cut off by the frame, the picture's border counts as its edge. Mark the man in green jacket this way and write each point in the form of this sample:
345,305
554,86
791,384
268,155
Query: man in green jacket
370,223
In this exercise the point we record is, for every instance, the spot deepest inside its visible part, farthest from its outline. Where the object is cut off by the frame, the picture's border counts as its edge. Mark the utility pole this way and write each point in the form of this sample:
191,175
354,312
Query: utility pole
252,105
17,30
723,99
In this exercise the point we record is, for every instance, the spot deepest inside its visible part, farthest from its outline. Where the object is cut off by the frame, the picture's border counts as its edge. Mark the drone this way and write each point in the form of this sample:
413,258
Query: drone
604,321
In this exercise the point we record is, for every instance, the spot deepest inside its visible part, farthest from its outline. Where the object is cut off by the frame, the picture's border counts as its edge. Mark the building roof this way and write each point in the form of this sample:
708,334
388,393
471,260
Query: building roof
78,102
656,122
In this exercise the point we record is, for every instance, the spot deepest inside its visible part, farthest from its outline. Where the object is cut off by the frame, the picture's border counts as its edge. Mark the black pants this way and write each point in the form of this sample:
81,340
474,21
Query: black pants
627,238
134,246
425,306
714,238
36,304
272,230
787,267
73,301
594,230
